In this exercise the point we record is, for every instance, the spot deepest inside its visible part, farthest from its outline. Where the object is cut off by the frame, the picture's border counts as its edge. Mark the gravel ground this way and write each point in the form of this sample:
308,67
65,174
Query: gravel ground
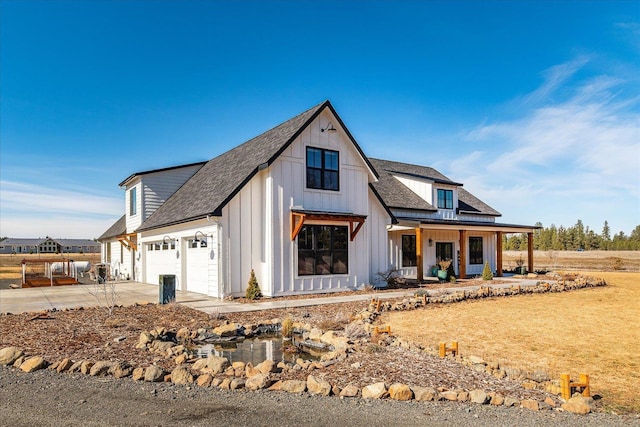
46,398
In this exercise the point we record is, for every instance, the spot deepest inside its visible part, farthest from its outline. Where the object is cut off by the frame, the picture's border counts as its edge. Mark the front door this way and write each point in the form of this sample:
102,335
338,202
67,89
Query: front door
444,250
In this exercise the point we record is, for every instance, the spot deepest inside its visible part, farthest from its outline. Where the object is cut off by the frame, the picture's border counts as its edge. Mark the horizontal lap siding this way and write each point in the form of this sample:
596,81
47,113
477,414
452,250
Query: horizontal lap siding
159,186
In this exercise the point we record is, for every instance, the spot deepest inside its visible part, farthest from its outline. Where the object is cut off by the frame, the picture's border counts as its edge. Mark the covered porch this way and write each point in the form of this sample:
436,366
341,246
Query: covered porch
418,245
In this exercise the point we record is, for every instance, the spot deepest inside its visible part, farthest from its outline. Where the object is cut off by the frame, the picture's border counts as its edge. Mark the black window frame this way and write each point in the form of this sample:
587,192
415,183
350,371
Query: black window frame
322,172
409,252
133,201
323,250
476,255
443,201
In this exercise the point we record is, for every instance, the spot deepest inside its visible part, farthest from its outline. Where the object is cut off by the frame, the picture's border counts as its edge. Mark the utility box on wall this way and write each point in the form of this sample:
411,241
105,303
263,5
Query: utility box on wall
167,288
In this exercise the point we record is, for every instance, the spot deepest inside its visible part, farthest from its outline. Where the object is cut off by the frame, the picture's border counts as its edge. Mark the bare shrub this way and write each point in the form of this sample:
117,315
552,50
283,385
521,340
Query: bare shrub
105,294
287,327
337,323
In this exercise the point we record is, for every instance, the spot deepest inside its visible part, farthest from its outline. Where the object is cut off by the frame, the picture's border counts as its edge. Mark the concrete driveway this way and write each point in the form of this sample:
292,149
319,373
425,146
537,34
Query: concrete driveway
130,293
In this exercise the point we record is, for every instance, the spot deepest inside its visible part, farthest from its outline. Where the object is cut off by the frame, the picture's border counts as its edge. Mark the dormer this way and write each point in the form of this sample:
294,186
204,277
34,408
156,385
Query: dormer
146,191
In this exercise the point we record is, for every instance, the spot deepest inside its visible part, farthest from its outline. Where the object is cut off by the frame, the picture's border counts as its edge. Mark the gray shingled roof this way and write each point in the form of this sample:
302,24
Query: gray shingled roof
218,181
397,195
158,170
118,228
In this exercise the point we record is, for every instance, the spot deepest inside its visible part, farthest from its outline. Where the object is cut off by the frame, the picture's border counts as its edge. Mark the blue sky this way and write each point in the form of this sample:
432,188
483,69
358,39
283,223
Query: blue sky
534,106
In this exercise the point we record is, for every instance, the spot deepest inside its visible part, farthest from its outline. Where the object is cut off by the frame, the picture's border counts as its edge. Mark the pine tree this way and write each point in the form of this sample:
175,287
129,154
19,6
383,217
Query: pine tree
253,290
487,274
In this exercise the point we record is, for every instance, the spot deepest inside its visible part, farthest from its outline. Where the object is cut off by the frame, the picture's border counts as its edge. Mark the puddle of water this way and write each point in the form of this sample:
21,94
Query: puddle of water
255,350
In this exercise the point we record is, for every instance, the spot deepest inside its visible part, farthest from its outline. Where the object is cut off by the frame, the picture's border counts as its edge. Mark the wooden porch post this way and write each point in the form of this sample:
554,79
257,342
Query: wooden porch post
499,253
419,263
530,251
462,268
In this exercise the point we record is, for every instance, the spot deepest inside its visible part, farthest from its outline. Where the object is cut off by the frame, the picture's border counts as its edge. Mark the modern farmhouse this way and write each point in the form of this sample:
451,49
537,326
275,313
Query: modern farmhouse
306,209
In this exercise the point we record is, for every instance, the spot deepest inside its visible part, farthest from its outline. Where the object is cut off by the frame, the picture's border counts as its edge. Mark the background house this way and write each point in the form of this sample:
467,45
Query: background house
48,246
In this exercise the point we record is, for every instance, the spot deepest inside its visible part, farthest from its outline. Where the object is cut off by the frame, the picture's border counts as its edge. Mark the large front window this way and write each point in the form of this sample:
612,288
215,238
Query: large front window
322,169
323,249
409,258
445,199
475,250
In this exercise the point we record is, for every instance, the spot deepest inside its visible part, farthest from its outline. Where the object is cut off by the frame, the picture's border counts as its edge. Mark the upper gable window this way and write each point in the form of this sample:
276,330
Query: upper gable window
322,169
133,202
445,199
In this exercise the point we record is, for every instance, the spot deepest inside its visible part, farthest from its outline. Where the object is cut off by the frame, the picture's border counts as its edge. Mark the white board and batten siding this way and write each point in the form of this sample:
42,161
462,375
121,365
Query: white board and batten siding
429,252
196,268
421,187
256,223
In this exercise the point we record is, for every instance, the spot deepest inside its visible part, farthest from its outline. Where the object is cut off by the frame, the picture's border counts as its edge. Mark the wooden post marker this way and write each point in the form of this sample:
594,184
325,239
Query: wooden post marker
385,330
377,303
567,387
453,349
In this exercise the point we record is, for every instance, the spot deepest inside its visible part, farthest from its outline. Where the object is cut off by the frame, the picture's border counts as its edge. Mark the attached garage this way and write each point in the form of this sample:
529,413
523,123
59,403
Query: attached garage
200,265
161,259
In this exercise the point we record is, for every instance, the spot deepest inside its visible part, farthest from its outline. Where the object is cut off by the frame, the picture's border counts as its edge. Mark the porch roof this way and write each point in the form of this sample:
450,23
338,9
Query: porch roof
440,224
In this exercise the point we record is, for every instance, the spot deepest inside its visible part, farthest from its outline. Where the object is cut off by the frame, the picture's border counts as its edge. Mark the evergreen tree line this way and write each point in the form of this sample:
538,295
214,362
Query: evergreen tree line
574,238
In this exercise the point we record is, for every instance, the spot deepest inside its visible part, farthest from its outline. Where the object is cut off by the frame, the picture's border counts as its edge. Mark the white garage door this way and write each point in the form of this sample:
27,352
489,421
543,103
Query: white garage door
160,259
197,266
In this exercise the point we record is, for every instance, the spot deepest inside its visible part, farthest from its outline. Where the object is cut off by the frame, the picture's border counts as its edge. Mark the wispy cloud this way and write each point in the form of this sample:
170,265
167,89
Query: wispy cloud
573,153
19,196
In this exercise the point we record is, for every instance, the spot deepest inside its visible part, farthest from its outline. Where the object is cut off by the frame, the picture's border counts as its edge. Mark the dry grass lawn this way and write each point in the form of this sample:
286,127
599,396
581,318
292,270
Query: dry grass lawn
595,331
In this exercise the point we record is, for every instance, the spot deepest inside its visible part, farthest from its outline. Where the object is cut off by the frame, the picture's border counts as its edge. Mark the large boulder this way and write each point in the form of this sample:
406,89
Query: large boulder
267,366
9,355
318,386
374,391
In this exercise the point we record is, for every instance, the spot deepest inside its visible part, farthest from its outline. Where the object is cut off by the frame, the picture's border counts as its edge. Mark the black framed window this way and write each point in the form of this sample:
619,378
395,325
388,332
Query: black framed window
323,249
475,250
445,199
322,169
133,202
409,258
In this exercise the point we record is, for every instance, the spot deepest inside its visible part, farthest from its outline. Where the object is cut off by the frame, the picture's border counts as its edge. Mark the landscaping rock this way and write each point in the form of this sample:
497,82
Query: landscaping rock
181,375
478,396
257,382
204,380
497,399
225,384
138,374
450,395
9,355
100,368
530,404
350,391
511,401
64,365
463,396
293,386
153,374
578,405
217,364
374,391
228,330
85,367
318,386
236,384
121,369
34,363
267,366
400,391
424,394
